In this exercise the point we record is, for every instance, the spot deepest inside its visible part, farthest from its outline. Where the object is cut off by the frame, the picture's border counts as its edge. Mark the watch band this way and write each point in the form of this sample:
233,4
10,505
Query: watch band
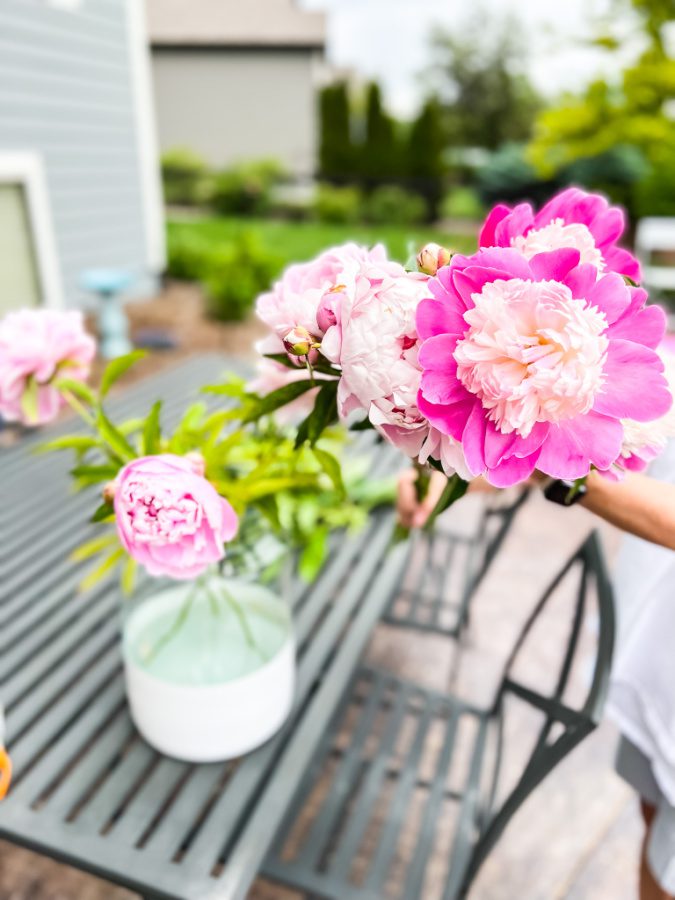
565,493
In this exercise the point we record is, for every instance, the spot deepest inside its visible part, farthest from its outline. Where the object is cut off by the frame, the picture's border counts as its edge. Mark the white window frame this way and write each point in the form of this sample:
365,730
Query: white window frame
146,136
27,169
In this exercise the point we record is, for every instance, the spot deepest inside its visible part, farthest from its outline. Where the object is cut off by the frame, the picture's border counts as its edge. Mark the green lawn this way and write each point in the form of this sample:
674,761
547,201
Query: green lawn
298,241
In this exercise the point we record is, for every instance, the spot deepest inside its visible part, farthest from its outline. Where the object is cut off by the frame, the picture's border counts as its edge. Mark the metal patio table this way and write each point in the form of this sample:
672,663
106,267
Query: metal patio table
87,789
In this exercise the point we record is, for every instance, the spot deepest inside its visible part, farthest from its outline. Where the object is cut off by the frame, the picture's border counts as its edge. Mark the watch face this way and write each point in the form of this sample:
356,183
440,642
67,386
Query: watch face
565,493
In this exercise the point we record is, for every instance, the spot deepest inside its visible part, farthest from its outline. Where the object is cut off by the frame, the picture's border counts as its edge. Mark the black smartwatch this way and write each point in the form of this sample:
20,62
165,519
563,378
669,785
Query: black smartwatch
564,493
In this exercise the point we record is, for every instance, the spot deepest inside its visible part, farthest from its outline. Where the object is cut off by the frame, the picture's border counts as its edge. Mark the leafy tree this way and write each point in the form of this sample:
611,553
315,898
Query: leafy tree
633,113
336,150
482,86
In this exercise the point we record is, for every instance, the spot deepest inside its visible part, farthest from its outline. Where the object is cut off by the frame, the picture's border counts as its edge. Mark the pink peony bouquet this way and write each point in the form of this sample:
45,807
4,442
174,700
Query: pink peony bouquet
537,352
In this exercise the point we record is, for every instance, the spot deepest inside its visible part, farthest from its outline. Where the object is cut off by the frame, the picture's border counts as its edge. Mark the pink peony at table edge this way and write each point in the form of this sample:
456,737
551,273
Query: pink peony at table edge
38,347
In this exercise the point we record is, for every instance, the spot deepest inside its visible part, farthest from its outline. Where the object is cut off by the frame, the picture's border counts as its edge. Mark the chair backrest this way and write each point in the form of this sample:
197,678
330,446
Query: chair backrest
496,521
563,723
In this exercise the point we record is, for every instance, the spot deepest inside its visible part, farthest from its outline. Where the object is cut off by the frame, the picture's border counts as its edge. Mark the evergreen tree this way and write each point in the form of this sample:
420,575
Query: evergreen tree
336,151
379,157
425,154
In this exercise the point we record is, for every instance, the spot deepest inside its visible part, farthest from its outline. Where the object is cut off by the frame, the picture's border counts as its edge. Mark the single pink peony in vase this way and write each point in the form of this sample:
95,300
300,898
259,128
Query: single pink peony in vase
169,518
535,363
572,219
37,345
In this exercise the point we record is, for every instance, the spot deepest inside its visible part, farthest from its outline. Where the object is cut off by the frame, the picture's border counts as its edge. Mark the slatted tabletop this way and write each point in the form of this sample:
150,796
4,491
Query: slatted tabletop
87,789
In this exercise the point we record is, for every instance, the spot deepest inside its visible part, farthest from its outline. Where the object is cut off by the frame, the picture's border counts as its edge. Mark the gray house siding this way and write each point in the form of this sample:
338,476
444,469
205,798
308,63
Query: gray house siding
230,103
67,93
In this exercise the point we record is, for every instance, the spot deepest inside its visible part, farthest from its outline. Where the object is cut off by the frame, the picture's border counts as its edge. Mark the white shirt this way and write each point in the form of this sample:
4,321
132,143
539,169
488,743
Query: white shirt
642,690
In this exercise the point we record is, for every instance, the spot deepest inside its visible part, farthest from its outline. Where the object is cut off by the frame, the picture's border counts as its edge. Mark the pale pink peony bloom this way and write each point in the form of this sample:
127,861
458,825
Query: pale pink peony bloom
374,341
532,353
169,518
37,345
534,364
572,219
294,300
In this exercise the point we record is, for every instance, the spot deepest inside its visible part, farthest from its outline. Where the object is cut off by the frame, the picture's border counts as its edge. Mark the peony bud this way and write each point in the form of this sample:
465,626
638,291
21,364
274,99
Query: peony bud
326,314
298,341
433,257
109,491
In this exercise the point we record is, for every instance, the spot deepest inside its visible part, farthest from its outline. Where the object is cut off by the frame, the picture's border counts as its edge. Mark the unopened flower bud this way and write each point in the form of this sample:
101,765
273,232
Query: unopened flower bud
298,341
433,257
197,462
326,314
109,491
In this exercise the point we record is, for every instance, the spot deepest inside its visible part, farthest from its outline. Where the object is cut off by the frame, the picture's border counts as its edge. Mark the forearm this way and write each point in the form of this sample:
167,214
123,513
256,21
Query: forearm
638,504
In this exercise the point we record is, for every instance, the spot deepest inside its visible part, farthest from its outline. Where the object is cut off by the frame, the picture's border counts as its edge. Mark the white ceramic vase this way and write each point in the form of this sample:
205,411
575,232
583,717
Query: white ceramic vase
210,675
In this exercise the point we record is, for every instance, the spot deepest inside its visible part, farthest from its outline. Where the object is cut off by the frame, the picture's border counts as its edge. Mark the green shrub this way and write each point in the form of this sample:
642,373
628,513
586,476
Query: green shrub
187,257
236,274
339,205
462,203
392,205
185,176
245,189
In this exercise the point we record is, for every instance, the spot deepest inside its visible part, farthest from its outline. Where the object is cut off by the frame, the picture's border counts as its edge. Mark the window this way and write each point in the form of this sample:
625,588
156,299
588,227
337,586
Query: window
29,270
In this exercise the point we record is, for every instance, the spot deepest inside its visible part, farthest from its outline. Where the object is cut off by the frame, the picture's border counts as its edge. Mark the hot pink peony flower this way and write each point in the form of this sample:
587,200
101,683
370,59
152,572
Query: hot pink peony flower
294,300
35,346
644,441
534,363
169,518
572,219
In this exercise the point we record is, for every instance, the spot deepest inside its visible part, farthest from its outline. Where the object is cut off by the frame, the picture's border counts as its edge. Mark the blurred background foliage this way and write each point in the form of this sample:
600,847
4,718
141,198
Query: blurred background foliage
482,134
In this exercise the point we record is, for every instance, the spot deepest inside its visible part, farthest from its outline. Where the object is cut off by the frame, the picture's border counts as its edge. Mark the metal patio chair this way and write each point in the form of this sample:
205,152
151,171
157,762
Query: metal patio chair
407,775
447,568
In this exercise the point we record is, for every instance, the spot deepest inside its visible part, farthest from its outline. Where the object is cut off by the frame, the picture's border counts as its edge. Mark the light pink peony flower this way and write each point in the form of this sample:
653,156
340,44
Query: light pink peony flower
35,346
374,341
294,300
534,364
572,219
169,518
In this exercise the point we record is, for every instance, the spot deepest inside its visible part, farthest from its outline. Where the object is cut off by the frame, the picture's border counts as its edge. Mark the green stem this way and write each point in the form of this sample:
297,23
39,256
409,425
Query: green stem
79,408
310,367
243,622
177,624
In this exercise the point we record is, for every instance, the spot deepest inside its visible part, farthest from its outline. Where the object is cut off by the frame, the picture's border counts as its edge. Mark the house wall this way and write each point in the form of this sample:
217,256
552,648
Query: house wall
231,104
69,92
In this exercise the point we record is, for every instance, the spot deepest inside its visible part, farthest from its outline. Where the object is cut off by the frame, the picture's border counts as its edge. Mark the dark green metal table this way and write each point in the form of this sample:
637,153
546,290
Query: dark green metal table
87,790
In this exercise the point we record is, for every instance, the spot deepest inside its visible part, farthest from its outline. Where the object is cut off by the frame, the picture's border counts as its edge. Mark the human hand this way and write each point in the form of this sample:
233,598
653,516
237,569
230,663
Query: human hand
412,512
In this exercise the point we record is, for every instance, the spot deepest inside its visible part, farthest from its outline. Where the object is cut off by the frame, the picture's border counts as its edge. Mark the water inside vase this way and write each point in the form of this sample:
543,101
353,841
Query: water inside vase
202,642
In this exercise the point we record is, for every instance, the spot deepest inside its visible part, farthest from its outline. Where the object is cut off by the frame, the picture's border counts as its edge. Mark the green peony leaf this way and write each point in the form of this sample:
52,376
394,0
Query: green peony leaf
152,435
117,367
331,467
324,414
114,438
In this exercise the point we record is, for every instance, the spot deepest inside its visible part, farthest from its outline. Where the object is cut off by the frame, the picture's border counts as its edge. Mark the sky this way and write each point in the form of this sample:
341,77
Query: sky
388,40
